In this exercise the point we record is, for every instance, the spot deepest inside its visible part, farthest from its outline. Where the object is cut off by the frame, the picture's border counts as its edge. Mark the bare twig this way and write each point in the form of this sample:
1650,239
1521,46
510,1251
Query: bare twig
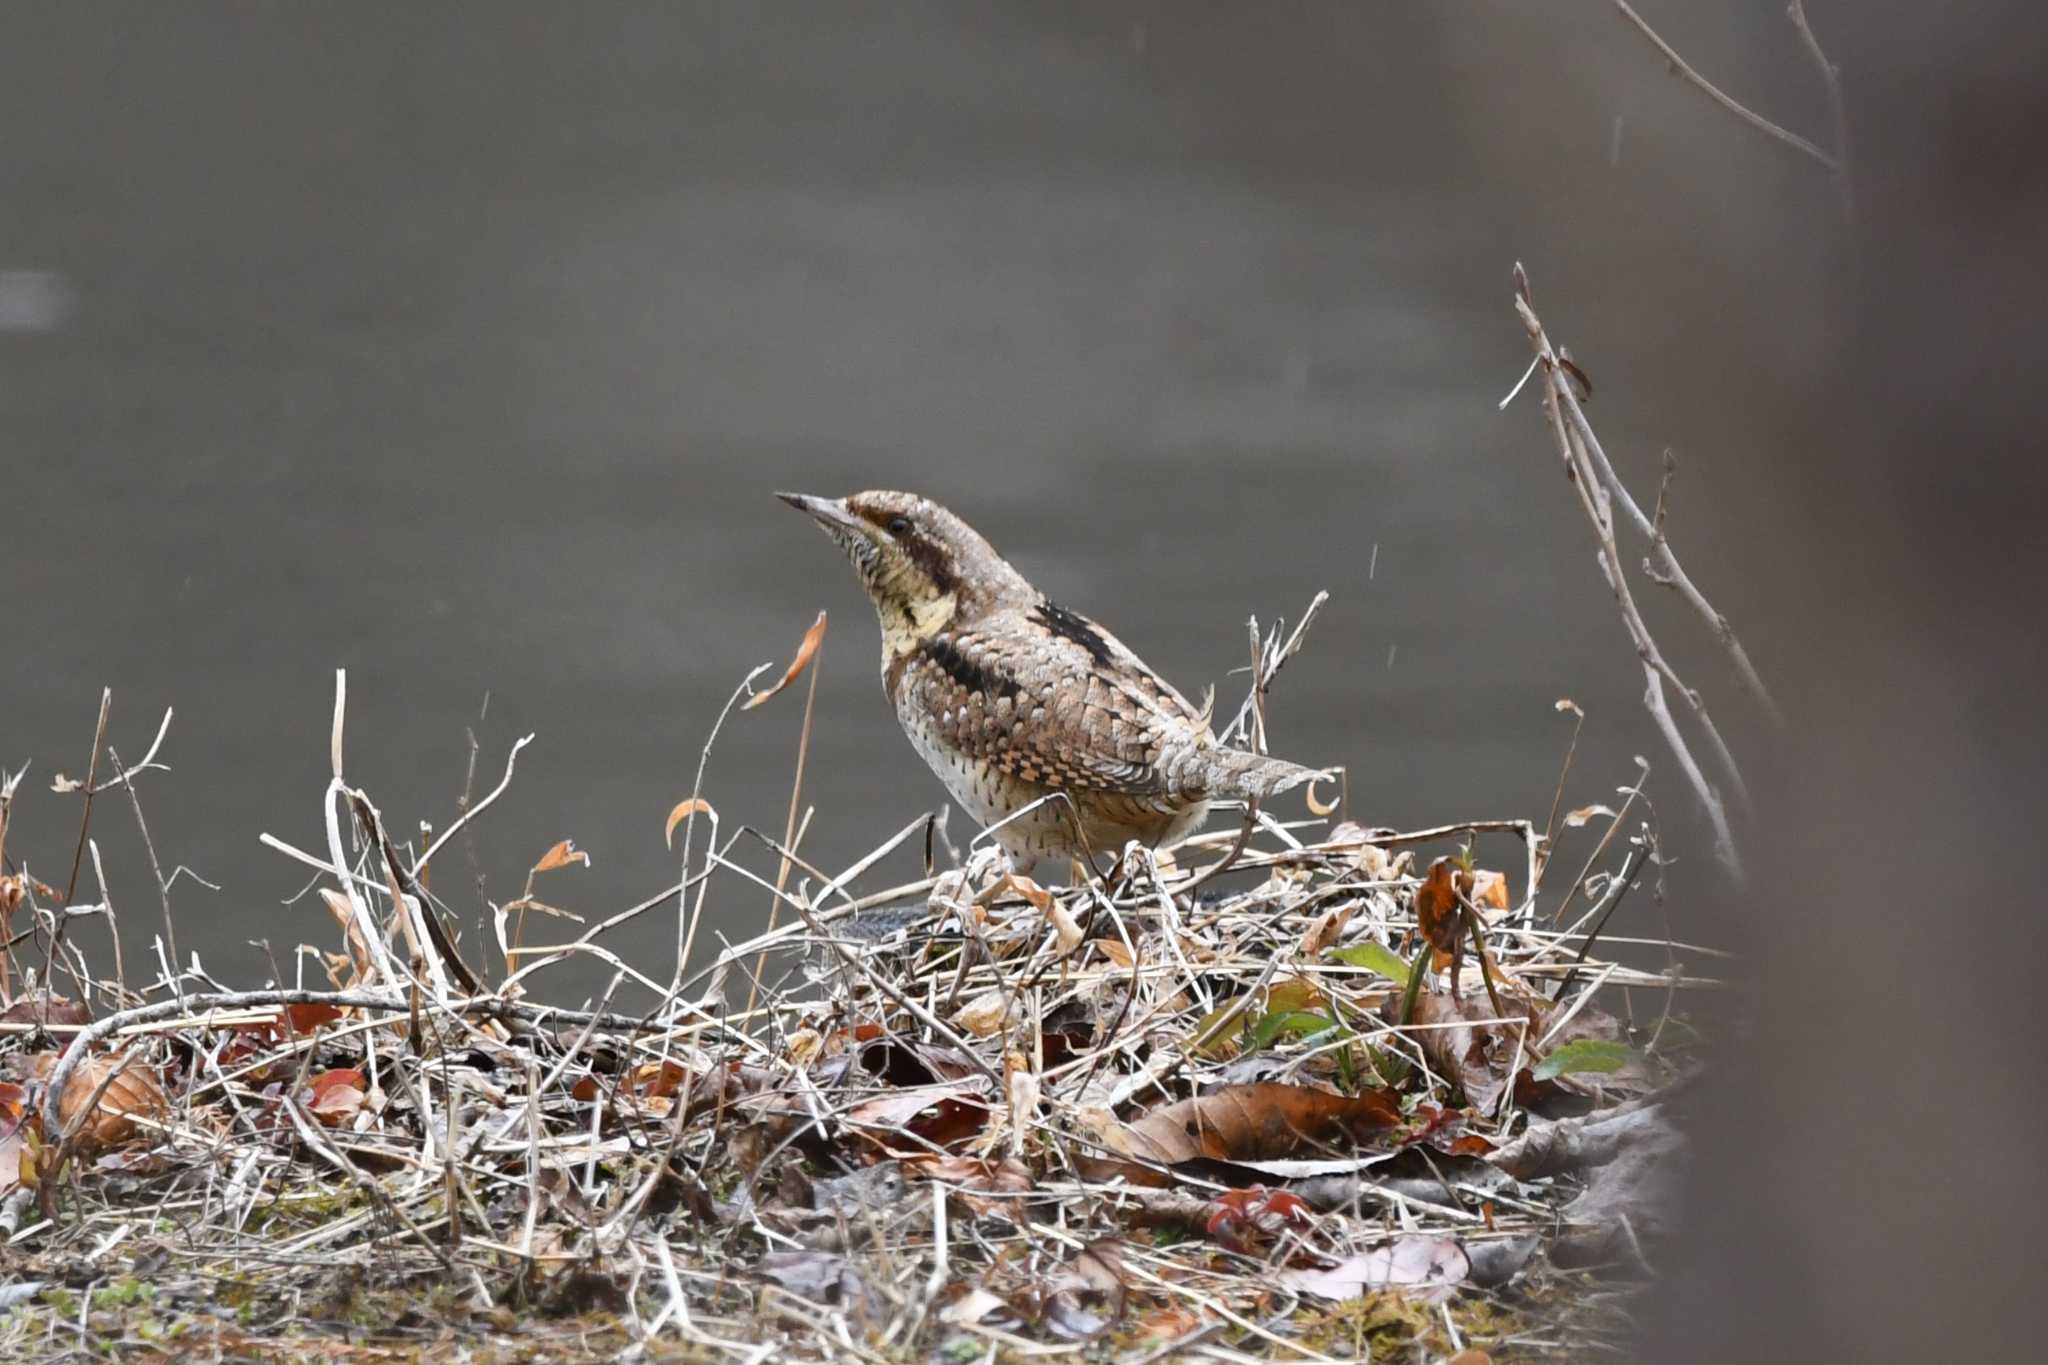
1683,69
92,767
1593,480
1831,77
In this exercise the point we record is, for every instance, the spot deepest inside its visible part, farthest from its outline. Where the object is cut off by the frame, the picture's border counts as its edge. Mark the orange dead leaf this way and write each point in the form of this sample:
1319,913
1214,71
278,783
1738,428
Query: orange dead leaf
1065,926
133,1093
561,855
1249,1123
334,1097
1114,950
805,652
1436,903
683,811
1490,890
306,1018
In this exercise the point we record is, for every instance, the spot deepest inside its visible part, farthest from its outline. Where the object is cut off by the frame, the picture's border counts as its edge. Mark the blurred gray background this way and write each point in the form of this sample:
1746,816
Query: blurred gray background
464,345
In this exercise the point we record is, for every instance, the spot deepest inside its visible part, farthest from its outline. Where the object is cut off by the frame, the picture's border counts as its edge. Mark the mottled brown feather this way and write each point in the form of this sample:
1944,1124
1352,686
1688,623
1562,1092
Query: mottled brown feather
1040,707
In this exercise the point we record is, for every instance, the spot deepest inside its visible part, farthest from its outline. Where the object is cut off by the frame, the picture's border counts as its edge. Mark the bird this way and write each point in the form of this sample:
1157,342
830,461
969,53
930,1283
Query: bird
1012,698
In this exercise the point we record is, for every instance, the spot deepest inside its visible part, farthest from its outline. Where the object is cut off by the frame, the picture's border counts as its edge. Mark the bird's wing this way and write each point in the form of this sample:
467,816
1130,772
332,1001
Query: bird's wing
1049,697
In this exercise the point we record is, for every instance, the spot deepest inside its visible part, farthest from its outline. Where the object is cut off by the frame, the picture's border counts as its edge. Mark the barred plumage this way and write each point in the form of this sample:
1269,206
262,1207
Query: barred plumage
1010,696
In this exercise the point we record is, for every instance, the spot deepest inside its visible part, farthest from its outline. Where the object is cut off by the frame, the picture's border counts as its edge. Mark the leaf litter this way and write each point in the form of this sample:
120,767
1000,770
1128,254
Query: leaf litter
972,1114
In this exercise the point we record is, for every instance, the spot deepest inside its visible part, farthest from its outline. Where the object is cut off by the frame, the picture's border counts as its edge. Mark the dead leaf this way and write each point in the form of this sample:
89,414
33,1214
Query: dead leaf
561,855
1116,952
1570,1144
1574,819
820,1278
985,1014
1326,931
1092,1281
1066,928
134,1093
805,652
938,1114
1428,1267
982,1186
305,1018
1023,1095
1252,1122
1436,903
15,1136
683,811
334,1097
344,914
44,1010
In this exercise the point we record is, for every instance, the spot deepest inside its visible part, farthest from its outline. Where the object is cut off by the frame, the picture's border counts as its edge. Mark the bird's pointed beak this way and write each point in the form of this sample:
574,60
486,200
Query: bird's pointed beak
831,513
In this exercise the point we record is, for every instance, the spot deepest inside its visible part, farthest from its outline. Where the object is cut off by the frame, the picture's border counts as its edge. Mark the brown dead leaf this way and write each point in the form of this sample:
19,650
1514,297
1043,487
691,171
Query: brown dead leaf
358,951
683,811
334,1097
805,652
1086,1296
1326,931
561,855
305,1018
1116,952
1436,903
984,1015
939,1115
134,1092
43,1010
1466,1041
1065,927
1254,1122
985,1188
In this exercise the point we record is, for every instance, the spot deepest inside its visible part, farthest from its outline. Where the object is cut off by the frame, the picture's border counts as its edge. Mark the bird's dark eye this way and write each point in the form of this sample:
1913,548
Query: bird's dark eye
899,526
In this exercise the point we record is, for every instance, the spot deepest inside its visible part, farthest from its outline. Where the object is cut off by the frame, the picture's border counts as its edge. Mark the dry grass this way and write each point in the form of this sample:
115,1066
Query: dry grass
965,1118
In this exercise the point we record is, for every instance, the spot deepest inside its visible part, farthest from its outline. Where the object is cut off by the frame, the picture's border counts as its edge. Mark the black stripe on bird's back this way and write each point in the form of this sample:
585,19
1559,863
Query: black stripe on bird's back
969,673
1067,625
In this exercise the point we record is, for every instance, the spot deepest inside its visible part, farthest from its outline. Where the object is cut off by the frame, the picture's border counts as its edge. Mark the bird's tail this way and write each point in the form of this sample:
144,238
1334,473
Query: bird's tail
1239,775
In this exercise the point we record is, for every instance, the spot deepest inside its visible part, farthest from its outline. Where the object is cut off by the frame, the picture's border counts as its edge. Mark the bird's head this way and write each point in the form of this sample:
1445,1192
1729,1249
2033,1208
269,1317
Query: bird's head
920,564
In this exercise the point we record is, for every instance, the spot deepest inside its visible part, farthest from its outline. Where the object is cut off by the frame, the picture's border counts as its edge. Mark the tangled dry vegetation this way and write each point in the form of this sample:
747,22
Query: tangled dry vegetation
1359,1095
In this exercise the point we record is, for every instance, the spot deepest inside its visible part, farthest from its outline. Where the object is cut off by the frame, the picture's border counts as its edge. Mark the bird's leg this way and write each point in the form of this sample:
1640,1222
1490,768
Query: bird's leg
1244,835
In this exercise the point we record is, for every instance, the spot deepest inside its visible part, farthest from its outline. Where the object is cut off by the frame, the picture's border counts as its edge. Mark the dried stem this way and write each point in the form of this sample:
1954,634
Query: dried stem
1683,69
1598,488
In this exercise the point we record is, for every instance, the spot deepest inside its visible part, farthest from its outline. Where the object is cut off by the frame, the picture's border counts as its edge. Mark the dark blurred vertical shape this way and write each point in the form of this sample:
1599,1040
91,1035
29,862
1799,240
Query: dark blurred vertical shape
1870,1184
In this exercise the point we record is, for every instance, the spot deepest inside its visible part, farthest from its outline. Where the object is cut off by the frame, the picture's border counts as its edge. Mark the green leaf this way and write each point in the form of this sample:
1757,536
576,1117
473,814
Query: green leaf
1376,956
1291,1023
1676,1034
1584,1054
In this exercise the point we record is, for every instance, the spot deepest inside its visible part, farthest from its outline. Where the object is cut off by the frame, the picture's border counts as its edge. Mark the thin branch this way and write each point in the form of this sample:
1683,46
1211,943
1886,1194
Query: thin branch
1592,479
1663,565
1683,69
1831,77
